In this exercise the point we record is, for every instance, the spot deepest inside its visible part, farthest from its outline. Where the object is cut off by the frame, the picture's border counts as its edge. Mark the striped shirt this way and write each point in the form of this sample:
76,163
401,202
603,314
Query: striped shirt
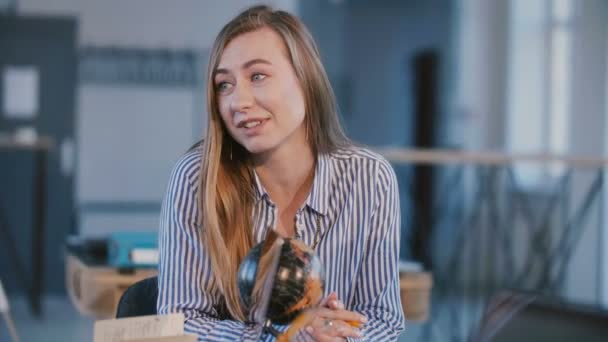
354,193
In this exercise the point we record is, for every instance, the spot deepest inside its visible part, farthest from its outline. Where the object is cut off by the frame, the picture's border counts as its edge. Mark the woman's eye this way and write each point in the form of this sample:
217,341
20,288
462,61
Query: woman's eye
258,77
223,86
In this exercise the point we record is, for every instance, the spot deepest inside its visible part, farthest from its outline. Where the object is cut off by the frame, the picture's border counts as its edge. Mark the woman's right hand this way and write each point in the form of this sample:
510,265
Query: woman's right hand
332,322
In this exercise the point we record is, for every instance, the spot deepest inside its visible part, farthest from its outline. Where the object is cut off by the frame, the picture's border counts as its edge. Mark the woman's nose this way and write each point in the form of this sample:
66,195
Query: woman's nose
242,99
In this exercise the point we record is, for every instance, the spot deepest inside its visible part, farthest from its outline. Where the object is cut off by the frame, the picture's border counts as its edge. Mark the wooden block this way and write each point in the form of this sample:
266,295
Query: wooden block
182,338
126,329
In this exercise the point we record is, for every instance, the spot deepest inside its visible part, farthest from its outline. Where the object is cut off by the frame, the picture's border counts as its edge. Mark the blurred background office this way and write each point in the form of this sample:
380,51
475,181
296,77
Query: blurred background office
98,99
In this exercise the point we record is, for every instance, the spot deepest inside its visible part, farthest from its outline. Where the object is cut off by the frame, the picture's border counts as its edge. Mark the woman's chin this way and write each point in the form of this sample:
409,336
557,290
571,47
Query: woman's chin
258,148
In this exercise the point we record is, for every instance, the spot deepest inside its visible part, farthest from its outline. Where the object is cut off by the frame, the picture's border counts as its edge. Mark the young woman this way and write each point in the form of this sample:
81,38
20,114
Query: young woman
275,158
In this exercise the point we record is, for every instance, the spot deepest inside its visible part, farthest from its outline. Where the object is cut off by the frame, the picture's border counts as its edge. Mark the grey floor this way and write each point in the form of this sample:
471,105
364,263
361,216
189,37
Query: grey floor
61,322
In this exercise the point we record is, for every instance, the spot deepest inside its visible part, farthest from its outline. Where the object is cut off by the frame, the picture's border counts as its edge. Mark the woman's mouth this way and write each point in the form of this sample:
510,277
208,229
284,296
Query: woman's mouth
252,124
254,127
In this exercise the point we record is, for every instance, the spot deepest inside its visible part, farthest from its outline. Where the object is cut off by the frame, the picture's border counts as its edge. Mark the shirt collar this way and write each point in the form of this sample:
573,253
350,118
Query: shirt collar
318,198
260,191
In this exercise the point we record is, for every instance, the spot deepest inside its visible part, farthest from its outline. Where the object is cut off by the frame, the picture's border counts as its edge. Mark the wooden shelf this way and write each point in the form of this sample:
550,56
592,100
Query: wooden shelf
41,143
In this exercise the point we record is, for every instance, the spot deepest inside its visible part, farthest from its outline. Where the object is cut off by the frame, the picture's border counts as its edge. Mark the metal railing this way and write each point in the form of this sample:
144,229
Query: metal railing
490,232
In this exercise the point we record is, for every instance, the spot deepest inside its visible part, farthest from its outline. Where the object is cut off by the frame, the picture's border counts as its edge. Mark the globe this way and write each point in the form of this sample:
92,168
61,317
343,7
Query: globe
284,272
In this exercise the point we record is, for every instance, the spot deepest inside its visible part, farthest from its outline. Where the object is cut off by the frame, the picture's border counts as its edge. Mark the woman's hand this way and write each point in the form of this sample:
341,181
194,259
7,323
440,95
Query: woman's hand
332,322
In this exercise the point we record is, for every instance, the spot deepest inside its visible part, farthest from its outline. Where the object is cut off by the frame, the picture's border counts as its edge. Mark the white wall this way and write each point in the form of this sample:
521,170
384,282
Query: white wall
381,42
126,129
482,65
147,23
128,137
527,54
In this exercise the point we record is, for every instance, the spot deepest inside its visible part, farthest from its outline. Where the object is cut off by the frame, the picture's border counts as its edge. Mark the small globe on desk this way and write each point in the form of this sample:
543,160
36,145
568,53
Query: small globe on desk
296,285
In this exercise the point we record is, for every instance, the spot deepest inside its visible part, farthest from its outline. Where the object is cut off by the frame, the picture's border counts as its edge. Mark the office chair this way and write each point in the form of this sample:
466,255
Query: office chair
139,299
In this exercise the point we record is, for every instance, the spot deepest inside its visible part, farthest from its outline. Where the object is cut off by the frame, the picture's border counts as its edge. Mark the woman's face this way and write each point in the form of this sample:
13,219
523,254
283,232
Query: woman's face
258,94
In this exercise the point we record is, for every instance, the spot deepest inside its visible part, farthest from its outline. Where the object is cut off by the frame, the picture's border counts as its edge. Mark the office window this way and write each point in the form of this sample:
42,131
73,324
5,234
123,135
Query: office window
539,76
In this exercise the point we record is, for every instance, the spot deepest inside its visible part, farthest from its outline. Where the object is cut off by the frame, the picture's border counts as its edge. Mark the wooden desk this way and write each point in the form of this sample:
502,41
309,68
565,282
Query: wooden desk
95,290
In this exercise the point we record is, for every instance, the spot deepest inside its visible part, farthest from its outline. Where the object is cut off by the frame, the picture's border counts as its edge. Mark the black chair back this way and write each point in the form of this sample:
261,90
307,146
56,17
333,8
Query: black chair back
139,299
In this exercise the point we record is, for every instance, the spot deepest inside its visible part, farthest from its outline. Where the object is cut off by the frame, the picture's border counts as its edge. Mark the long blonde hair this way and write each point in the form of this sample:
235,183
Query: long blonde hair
226,196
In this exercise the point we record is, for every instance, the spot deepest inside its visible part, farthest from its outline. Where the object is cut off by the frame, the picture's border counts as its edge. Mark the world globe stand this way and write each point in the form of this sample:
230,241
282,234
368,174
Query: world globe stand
279,280
269,329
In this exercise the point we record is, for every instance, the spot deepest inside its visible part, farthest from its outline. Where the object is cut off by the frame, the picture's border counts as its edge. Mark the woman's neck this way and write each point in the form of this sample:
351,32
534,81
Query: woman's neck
287,174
